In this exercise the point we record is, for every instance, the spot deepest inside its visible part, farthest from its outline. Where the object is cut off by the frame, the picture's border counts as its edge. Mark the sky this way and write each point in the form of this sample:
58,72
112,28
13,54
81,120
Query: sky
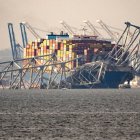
46,14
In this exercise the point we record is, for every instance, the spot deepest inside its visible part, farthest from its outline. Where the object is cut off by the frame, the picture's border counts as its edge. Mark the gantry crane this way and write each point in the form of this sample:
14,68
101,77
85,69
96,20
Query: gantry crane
15,47
29,27
109,32
24,35
67,27
93,29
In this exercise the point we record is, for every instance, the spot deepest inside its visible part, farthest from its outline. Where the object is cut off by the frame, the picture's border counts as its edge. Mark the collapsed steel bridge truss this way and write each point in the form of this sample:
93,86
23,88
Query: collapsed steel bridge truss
29,73
127,50
87,75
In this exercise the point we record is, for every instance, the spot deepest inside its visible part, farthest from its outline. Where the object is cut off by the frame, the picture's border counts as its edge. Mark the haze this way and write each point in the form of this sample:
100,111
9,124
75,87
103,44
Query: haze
46,14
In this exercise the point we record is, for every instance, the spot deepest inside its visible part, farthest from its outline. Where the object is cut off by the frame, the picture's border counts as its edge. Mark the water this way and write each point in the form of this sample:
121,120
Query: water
99,114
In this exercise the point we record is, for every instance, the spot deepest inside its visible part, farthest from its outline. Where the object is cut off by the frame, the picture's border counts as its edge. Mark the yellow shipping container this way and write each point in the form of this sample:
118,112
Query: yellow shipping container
47,57
65,41
73,55
50,47
39,52
58,51
29,52
45,42
48,42
67,65
70,47
67,52
64,47
70,55
49,68
64,52
42,61
64,58
42,45
61,54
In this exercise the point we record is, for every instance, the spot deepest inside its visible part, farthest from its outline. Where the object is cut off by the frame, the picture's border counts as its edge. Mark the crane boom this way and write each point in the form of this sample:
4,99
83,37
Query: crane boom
109,32
94,30
15,47
67,27
29,27
12,39
24,35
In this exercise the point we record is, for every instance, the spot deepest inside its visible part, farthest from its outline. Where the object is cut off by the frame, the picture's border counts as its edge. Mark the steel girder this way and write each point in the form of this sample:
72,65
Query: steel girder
29,73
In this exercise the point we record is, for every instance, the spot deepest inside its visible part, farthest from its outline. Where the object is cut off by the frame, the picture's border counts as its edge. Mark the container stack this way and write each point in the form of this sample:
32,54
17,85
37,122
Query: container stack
66,50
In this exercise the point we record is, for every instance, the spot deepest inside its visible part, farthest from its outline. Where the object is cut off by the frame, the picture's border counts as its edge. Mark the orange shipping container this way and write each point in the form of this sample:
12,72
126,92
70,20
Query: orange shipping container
27,53
61,46
51,42
56,46
45,49
33,52
39,52
48,51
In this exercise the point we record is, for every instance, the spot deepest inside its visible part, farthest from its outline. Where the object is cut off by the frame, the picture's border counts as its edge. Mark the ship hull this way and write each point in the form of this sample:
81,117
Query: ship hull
101,75
112,79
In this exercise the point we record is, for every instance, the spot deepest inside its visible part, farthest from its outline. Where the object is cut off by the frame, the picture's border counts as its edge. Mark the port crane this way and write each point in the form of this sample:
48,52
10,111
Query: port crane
30,28
109,32
26,25
92,27
24,35
17,50
67,27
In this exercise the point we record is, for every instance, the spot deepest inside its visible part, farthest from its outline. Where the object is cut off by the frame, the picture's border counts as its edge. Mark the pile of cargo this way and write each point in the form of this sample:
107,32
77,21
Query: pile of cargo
67,49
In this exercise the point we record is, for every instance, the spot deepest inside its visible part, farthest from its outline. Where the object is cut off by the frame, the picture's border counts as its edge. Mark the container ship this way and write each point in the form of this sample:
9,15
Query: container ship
81,61
92,48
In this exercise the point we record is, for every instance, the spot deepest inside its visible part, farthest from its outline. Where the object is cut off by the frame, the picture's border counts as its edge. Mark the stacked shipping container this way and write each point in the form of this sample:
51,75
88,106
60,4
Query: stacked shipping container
67,49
